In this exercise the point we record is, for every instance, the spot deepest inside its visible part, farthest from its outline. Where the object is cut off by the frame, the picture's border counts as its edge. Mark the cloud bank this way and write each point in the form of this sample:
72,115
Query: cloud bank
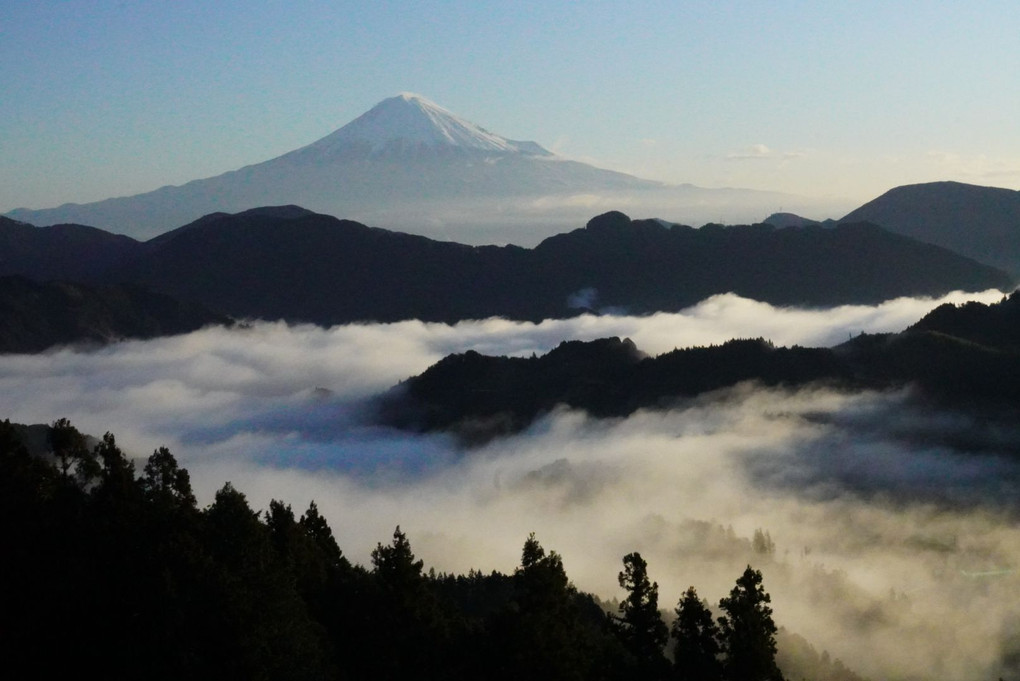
887,539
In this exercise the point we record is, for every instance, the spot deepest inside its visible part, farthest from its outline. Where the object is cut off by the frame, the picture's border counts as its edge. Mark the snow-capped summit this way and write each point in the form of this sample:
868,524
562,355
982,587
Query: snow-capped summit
410,122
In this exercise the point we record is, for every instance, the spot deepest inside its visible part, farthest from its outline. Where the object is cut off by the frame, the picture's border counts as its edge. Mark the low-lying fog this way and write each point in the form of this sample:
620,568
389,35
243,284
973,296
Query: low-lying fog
891,551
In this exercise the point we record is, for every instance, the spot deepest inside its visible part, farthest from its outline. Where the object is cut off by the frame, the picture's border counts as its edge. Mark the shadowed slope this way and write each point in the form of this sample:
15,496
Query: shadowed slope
980,222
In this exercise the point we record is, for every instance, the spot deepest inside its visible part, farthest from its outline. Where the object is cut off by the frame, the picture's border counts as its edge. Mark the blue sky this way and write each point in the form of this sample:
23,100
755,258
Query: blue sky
101,99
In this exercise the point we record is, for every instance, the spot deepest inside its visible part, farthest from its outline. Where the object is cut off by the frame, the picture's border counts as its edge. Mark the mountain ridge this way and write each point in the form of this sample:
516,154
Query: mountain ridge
289,263
63,251
38,316
980,222
957,356
286,262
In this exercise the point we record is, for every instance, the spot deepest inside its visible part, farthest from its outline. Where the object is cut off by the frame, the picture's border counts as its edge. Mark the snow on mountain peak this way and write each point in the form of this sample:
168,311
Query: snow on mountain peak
409,121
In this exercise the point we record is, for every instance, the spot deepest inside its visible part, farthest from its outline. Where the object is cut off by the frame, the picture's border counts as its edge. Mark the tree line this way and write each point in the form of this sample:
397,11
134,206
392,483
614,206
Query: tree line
110,569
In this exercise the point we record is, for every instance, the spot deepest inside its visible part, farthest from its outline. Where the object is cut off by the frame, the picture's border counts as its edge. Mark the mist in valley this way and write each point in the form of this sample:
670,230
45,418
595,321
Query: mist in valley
886,533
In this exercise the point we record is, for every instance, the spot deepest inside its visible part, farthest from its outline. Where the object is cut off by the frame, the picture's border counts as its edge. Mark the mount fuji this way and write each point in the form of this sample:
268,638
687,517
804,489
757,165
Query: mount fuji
409,123
410,164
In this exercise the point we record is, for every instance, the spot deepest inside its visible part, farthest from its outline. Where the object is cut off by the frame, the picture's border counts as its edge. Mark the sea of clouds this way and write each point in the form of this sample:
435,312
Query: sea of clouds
893,550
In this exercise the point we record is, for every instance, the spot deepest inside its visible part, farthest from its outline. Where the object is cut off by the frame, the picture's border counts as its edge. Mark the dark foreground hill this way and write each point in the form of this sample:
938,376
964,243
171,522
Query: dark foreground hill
980,222
956,356
286,263
34,316
94,546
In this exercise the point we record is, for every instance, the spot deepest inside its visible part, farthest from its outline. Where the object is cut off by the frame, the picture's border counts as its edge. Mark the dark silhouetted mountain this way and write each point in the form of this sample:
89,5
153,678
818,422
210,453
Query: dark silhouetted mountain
643,266
993,326
67,252
980,222
410,164
505,393
479,397
34,316
289,263
967,354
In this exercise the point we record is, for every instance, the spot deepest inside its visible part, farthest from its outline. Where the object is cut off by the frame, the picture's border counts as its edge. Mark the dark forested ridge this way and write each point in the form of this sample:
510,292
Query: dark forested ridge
965,355
289,263
308,267
61,252
36,316
658,266
110,568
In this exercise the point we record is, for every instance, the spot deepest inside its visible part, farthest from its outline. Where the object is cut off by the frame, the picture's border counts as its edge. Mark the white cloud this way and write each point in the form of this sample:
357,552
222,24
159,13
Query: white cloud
867,559
761,152
755,151
875,518
161,387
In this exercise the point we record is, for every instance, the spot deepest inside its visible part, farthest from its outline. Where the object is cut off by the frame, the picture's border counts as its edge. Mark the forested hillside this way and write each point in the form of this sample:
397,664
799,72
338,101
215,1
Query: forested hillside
36,316
109,569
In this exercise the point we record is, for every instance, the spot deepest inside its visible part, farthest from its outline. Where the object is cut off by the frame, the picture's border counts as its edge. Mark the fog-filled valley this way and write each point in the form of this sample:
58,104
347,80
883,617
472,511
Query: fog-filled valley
573,342
886,531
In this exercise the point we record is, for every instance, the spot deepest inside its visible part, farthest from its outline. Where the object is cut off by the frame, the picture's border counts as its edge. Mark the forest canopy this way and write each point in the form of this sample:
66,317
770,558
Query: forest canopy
120,569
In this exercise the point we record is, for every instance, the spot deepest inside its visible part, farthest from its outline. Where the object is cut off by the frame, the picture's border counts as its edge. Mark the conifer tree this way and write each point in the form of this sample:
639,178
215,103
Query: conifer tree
166,483
408,622
395,564
748,634
72,452
117,484
318,530
642,630
695,640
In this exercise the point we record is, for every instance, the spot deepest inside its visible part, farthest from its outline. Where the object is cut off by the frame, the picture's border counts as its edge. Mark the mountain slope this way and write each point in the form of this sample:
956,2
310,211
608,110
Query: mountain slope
410,123
993,326
479,397
288,263
410,164
70,252
645,265
980,222
315,268
34,316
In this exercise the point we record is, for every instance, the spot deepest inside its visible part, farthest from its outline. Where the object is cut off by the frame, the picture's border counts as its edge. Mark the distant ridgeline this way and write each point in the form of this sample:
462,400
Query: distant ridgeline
292,264
965,355
134,578
980,222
